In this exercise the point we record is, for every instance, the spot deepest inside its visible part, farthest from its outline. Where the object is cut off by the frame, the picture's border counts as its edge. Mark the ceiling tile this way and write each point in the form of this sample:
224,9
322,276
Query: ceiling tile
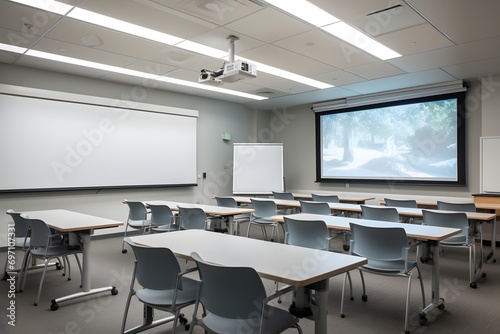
323,47
416,39
269,25
375,70
462,20
338,78
453,55
287,60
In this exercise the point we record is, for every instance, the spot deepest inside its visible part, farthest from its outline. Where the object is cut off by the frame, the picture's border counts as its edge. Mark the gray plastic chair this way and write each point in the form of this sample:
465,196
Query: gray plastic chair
235,301
21,240
163,286
466,238
319,205
388,214
401,203
320,208
388,253
283,195
311,234
264,209
162,219
464,207
46,245
137,219
325,198
230,202
192,218
306,233
329,199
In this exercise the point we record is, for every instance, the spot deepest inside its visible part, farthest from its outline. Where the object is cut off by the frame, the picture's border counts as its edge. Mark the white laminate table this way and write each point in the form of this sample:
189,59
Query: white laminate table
296,266
208,209
84,226
430,235
342,198
473,217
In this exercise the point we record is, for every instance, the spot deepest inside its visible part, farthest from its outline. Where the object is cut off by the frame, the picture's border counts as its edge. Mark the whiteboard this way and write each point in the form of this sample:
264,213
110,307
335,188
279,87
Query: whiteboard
52,144
257,168
490,163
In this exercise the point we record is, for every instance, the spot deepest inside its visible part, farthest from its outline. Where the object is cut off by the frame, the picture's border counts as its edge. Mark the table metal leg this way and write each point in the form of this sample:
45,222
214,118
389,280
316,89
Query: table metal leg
490,258
320,324
436,301
86,242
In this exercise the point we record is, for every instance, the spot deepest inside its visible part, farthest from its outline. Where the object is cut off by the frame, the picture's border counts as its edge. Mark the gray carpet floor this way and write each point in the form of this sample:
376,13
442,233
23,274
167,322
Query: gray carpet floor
466,310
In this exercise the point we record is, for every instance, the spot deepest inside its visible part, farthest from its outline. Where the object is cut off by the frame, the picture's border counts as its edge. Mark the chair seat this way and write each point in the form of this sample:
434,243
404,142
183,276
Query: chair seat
388,267
53,251
459,240
277,321
138,223
263,221
160,298
165,228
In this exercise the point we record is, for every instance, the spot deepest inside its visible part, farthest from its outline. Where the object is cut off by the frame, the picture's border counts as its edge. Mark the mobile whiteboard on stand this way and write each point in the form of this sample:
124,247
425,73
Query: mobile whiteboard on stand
257,168
490,160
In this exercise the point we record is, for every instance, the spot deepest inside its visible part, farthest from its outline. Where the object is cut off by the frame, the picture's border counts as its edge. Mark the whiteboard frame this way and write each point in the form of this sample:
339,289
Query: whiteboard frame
148,112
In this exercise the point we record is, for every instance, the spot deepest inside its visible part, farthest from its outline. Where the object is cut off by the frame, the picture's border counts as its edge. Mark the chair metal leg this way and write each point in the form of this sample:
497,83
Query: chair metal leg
41,282
347,276
364,297
124,320
124,250
421,287
407,308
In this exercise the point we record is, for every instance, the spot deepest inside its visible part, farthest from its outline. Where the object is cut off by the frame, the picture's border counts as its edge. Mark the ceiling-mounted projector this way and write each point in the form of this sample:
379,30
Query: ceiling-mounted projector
232,71
238,70
210,77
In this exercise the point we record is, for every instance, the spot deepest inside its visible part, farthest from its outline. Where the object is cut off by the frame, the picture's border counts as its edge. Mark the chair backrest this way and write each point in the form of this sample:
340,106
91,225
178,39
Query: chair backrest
448,219
325,198
161,215
380,244
156,268
263,207
230,292
384,213
401,203
320,208
464,207
22,226
283,195
136,210
229,202
40,232
192,218
307,233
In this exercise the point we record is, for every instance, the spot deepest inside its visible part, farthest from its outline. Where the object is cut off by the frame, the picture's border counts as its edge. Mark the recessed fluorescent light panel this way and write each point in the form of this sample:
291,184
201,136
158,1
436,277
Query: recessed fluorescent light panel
121,70
47,5
306,11
320,18
12,48
360,40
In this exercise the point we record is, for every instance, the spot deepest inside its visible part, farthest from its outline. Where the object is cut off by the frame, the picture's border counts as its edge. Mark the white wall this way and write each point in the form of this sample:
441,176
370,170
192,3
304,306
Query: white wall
490,97
214,155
